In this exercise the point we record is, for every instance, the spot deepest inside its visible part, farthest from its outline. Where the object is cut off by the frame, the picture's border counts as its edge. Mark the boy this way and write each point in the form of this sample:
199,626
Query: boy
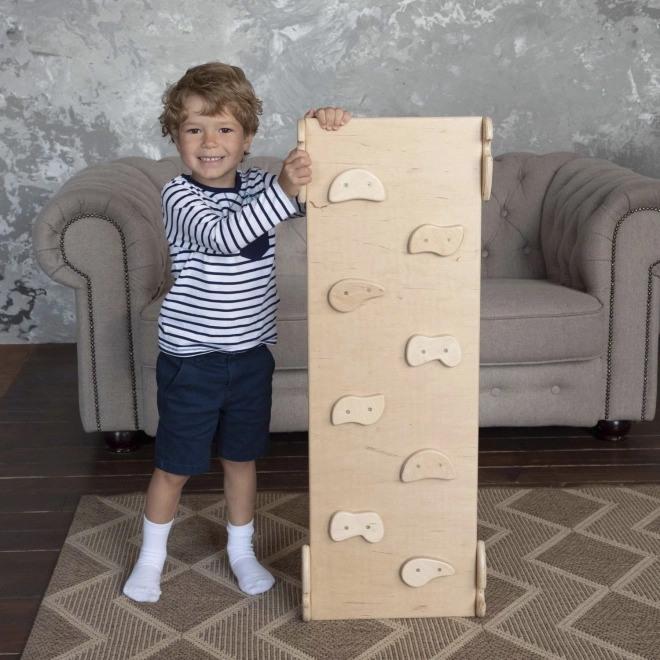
214,371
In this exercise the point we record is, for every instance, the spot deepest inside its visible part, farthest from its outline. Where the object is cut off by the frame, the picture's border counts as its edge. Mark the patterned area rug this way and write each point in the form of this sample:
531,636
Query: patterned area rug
572,573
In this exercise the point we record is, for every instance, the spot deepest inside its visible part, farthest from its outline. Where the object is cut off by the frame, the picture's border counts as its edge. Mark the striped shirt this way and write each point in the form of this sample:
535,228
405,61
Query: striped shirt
222,244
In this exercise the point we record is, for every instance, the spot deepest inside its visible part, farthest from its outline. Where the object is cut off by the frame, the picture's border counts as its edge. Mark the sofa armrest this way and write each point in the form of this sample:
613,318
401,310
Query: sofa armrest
102,234
600,233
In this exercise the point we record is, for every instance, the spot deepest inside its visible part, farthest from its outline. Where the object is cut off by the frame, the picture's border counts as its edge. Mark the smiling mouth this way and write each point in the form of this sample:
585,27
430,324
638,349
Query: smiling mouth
215,159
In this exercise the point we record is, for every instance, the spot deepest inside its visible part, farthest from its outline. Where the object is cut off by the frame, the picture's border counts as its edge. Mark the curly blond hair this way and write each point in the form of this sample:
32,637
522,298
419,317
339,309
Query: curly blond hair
222,87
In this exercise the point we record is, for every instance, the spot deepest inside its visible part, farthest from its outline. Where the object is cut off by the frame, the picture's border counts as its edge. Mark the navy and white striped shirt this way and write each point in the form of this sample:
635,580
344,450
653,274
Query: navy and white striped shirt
222,244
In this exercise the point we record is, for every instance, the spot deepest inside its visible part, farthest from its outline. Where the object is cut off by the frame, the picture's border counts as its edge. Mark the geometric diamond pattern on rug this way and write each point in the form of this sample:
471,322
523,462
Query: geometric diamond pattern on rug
53,635
591,594
90,603
485,532
487,646
191,599
625,623
195,538
423,639
653,526
238,632
290,564
182,650
590,559
332,640
272,536
647,489
295,510
74,567
217,568
199,502
646,585
627,511
94,514
501,594
562,507
110,542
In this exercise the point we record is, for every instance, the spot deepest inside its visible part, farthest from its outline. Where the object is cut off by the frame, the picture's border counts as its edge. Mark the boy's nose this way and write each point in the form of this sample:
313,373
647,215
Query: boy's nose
210,140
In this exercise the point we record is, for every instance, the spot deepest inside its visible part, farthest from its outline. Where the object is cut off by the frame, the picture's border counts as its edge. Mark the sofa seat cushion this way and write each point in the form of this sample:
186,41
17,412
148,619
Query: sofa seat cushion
290,352
525,321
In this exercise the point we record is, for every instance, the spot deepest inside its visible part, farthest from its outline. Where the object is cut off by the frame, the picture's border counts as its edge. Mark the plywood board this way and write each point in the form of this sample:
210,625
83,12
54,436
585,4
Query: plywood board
430,169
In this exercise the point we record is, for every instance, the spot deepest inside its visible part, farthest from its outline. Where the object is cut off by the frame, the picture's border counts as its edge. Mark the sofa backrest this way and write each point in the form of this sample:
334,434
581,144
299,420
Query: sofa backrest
511,219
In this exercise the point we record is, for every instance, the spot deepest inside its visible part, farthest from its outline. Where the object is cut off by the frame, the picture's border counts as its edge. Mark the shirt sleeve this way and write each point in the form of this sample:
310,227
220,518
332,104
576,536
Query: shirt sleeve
191,223
301,209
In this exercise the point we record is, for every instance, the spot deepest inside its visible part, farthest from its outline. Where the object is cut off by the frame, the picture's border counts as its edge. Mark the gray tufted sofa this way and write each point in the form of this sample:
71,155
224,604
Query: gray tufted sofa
569,307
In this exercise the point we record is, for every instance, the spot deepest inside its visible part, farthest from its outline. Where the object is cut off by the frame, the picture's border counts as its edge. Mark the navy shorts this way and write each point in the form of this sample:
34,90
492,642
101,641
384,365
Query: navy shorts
226,396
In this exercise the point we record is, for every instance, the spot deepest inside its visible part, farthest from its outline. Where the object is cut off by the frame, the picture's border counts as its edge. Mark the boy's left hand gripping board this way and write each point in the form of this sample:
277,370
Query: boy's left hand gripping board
394,253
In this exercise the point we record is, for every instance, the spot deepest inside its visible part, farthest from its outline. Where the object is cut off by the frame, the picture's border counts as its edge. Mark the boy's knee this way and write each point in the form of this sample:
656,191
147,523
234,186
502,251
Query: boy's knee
236,466
173,480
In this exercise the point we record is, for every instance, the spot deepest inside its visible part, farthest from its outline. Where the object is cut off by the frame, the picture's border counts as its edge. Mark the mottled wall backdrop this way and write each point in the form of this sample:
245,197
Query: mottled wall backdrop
81,82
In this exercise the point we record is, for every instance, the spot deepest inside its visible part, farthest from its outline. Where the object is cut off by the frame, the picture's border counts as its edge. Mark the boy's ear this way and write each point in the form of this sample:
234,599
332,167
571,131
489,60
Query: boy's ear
247,141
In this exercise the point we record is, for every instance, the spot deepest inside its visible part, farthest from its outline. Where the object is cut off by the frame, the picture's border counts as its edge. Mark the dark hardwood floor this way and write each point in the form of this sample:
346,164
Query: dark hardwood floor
47,462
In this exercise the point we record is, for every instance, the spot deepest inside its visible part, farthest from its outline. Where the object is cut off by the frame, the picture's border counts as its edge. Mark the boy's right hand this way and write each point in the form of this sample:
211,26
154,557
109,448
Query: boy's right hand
296,172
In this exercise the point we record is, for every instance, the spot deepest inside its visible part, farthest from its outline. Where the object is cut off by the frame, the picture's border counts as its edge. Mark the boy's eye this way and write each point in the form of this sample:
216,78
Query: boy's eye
192,130
226,130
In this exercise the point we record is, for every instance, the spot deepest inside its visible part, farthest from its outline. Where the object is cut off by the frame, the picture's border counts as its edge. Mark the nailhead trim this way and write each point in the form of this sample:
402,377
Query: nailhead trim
91,314
611,323
648,334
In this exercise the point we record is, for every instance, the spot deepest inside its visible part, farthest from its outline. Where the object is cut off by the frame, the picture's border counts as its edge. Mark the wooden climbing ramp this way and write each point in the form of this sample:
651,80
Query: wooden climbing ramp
394,245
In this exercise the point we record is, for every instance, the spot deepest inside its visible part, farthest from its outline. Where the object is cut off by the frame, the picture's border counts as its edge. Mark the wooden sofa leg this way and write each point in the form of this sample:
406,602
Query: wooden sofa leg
612,430
120,442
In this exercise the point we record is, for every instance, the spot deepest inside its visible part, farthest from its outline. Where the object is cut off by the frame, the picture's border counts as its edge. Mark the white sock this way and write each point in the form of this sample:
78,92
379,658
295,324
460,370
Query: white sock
143,585
253,578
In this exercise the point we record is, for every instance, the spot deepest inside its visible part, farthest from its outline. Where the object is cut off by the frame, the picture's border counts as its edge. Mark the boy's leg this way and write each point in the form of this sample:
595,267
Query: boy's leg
190,394
240,485
163,496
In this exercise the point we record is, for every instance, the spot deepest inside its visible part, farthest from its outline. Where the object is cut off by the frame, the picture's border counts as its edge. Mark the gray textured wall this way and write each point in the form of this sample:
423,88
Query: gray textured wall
80,83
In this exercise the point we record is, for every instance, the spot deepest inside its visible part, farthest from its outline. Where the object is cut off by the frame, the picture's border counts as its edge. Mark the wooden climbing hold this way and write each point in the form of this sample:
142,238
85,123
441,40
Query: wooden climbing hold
346,295
442,241
359,409
419,571
345,525
427,464
356,184
421,349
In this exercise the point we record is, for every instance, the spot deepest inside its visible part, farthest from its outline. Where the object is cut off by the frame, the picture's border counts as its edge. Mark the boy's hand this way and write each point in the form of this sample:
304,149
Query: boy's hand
330,118
297,168
296,172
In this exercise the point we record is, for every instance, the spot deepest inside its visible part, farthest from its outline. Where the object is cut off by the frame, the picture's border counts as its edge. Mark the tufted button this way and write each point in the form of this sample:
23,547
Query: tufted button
504,213
527,250
484,253
555,389
495,391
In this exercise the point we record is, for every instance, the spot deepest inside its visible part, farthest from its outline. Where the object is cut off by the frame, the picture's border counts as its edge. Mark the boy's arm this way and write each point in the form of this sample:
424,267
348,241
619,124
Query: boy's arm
191,223
297,168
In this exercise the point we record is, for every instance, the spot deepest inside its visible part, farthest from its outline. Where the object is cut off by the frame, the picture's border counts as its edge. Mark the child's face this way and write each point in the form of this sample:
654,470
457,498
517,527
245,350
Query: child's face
212,147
